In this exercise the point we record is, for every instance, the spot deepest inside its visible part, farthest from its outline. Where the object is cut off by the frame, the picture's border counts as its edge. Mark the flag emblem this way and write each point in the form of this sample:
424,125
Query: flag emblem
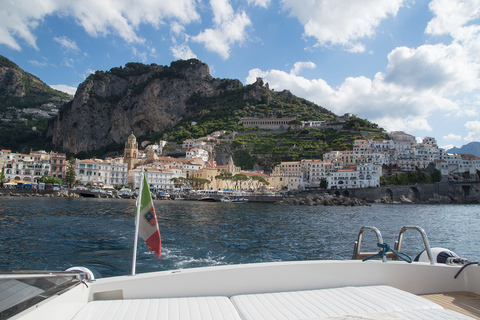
150,217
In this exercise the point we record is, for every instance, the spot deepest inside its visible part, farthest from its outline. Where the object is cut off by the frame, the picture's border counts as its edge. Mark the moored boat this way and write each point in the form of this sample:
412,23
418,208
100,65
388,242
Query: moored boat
207,199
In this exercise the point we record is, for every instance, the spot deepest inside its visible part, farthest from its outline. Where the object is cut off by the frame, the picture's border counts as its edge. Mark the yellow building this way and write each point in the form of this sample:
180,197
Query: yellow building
130,154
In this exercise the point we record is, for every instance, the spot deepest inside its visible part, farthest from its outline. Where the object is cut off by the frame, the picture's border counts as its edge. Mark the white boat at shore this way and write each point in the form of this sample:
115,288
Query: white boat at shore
328,289
234,200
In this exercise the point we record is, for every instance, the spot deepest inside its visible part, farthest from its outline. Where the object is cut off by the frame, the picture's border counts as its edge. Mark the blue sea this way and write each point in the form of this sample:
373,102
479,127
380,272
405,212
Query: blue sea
58,233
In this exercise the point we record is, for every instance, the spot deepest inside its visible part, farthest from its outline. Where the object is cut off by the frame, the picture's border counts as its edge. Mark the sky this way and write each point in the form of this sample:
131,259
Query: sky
406,65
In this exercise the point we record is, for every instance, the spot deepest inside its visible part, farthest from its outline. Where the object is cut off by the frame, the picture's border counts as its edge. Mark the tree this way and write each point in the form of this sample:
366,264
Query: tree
295,124
239,178
323,183
49,179
70,175
198,182
260,179
2,177
224,176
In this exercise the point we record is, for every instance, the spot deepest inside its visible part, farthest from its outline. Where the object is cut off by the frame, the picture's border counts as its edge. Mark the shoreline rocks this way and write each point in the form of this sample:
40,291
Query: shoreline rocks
323,200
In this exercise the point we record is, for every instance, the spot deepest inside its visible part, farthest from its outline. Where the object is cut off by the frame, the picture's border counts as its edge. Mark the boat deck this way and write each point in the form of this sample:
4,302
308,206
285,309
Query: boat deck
466,303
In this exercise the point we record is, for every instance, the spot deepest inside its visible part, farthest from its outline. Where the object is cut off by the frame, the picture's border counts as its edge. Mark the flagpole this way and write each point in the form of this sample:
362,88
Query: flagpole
137,222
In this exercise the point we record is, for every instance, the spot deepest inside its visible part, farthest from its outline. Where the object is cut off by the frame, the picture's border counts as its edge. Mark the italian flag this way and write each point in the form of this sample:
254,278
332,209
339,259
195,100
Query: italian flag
146,219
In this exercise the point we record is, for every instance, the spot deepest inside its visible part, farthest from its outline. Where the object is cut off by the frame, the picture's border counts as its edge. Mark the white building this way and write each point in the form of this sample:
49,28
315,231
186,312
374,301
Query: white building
23,167
342,179
197,153
157,179
157,147
369,175
189,143
89,172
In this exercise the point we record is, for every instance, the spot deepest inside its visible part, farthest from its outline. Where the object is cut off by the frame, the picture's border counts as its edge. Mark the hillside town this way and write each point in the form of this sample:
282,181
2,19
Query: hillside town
361,167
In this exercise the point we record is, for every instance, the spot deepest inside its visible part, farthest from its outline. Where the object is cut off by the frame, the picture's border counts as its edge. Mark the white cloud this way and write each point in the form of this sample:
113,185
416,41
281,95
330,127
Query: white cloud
388,103
64,88
452,136
451,15
182,52
341,22
87,73
40,64
68,62
229,28
299,66
19,18
448,147
457,18
433,67
67,44
473,128
260,3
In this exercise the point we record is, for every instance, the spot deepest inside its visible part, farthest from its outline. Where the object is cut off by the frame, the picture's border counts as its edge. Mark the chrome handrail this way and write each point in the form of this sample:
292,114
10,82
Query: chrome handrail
42,274
53,283
358,243
398,243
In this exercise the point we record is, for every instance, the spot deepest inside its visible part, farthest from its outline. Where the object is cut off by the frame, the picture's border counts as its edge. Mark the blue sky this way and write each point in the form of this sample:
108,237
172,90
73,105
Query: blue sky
404,64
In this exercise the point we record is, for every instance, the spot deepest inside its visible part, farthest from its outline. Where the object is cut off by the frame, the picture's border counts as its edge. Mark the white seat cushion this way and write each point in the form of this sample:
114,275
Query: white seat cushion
199,308
326,303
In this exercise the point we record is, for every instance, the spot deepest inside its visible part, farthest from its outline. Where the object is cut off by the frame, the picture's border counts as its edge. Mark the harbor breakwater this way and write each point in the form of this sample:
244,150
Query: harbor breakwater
435,193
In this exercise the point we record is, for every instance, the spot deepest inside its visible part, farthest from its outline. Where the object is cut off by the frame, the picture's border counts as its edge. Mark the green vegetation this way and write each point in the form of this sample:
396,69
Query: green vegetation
70,175
13,135
307,144
195,183
50,179
412,177
362,124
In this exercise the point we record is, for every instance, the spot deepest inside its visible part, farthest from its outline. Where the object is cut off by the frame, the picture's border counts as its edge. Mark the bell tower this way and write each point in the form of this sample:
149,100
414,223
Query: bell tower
130,155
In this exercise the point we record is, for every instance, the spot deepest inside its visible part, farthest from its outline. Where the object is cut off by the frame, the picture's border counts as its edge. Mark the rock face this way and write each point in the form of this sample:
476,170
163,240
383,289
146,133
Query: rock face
11,82
142,99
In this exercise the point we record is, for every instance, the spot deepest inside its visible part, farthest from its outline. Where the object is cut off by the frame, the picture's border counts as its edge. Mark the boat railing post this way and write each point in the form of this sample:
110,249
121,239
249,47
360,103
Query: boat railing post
426,243
358,243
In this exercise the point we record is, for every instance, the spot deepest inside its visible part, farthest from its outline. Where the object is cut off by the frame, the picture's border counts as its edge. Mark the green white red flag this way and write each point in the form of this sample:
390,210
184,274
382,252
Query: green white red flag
147,220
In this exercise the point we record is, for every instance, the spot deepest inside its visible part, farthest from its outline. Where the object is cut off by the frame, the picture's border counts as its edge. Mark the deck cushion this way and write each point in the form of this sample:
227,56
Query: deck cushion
326,303
201,308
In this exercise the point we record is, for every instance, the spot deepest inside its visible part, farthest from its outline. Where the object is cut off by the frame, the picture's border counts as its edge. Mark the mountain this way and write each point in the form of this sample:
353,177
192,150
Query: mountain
148,99
470,148
25,105
174,103
20,89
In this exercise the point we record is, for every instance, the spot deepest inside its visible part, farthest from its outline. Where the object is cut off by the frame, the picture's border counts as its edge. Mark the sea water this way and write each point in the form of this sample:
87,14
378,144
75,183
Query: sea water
58,233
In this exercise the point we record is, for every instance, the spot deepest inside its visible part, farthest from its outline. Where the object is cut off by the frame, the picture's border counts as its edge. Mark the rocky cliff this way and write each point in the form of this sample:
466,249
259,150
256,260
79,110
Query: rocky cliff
109,106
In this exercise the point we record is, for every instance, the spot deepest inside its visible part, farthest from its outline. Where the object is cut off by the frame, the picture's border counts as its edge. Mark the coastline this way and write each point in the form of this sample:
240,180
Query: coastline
467,192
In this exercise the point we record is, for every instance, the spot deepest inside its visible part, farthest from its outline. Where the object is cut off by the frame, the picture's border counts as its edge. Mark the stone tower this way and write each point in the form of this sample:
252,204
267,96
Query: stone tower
130,155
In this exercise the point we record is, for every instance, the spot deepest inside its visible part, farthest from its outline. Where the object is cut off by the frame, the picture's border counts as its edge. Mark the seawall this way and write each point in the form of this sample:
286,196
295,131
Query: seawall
442,192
